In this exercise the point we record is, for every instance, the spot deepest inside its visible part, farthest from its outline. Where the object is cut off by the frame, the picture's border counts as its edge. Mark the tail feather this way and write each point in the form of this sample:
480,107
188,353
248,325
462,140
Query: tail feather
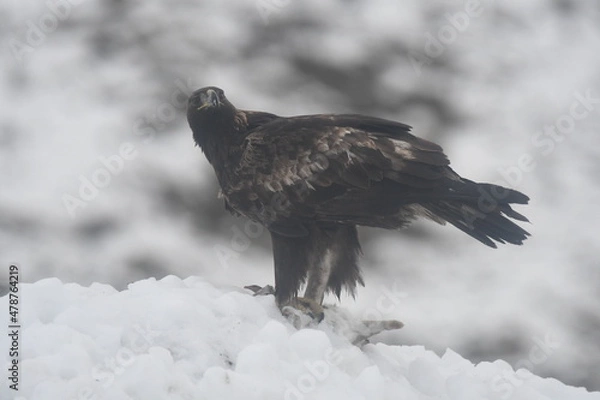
508,211
484,219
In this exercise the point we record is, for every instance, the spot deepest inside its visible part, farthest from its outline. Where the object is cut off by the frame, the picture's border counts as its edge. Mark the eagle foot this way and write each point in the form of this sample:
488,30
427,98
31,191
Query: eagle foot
261,290
302,312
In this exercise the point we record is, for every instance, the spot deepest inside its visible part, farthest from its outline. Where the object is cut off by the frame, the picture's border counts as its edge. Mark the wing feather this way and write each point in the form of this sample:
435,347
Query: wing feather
352,151
337,168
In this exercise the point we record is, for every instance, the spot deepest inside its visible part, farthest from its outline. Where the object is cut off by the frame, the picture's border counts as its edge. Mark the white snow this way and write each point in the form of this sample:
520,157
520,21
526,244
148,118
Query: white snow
187,339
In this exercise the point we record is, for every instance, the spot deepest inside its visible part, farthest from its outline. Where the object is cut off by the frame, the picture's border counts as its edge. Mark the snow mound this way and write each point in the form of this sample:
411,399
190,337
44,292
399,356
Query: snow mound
186,339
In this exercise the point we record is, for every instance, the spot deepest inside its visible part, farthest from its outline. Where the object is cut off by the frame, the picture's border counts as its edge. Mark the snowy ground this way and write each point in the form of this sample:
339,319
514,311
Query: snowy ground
187,339
98,96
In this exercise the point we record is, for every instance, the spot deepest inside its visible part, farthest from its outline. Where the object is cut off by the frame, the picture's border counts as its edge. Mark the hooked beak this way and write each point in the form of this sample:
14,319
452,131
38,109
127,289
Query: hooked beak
210,98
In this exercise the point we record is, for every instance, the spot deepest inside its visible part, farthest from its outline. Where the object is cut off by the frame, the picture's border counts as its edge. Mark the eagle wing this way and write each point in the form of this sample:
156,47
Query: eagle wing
340,169
357,170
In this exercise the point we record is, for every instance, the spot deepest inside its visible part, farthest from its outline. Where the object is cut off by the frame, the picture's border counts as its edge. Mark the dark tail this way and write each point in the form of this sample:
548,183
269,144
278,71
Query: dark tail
482,211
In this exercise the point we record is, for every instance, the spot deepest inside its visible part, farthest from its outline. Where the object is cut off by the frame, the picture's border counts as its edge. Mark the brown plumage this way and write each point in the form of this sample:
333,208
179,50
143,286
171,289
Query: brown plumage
310,180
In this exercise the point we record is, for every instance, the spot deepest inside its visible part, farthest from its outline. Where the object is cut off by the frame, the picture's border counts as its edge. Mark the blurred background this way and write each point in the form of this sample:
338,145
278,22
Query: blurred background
101,181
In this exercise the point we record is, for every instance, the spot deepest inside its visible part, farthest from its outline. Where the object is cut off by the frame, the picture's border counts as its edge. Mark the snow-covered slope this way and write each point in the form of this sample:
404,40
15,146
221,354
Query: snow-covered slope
187,339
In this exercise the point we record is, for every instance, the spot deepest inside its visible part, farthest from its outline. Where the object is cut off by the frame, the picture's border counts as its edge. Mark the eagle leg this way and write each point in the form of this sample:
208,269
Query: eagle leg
303,311
325,258
318,277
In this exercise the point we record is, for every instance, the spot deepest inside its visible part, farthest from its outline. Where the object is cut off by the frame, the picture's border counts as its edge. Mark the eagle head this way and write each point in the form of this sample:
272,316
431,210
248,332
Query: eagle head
207,99
210,116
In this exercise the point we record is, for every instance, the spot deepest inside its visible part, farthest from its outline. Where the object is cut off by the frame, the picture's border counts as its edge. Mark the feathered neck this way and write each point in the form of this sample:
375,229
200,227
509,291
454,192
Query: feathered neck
219,133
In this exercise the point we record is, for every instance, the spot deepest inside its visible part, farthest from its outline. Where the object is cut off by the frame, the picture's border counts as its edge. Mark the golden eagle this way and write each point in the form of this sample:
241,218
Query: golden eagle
311,179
